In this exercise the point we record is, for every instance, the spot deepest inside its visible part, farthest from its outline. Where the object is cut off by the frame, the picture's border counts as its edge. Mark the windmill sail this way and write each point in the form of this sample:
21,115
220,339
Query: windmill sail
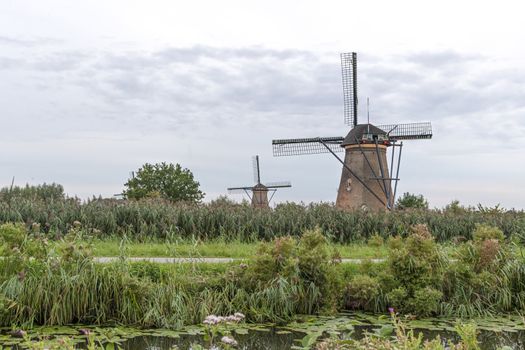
238,190
278,184
410,131
293,147
349,74
256,170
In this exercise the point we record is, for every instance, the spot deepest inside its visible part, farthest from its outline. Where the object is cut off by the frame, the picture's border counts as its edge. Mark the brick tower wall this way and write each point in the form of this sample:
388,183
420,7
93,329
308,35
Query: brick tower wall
260,198
352,194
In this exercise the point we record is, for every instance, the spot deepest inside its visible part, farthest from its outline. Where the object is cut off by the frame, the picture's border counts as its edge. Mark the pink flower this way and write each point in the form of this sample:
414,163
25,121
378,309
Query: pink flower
239,315
391,310
229,340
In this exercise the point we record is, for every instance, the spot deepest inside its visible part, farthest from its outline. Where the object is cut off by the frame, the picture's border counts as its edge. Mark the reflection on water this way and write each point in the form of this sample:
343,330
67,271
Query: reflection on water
262,337
252,341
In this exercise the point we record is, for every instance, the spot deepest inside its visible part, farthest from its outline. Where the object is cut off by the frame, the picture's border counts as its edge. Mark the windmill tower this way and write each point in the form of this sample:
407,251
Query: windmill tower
365,179
258,193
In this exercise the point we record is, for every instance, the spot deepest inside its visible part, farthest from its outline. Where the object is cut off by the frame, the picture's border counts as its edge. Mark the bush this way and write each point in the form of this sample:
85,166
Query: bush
304,262
361,292
417,266
18,243
168,181
484,232
425,301
13,235
418,262
397,298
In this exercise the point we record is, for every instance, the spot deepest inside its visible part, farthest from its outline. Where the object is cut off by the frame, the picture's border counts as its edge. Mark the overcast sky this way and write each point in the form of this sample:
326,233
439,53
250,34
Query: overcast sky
91,90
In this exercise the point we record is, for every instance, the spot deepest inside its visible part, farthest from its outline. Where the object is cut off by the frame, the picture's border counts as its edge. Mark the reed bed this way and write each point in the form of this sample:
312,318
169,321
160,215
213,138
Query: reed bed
141,220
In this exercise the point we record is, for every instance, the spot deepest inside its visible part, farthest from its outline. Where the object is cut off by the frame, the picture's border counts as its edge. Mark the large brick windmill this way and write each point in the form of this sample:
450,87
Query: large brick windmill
258,193
365,179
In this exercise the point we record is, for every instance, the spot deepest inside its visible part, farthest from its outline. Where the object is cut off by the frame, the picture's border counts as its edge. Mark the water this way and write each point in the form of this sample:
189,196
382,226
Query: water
494,333
256,340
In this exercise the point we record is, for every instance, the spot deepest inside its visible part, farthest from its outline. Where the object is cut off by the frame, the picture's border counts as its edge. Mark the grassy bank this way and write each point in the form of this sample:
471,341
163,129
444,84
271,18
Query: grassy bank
42,283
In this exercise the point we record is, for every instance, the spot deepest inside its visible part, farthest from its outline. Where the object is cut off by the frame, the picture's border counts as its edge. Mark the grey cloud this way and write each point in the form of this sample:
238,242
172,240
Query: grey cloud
428,91
181,86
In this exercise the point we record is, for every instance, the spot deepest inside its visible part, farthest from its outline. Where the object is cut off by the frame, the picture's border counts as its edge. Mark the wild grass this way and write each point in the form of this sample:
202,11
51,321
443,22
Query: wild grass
146,219
89,293
43,283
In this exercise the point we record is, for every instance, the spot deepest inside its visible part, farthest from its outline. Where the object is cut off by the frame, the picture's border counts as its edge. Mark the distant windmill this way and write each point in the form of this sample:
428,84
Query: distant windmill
365,179
258,193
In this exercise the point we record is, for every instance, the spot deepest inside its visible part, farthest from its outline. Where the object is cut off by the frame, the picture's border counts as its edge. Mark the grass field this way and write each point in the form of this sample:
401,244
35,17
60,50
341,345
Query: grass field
215,249
222,249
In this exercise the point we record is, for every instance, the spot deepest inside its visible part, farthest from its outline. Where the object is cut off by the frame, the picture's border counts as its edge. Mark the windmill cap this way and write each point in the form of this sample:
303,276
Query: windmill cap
359,131
260,187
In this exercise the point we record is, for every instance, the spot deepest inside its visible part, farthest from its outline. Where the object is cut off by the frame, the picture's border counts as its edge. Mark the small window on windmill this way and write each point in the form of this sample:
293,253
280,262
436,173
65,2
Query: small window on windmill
349,185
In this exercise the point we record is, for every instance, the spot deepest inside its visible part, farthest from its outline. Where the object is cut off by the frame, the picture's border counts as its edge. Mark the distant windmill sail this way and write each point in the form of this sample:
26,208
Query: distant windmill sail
258,193
365,179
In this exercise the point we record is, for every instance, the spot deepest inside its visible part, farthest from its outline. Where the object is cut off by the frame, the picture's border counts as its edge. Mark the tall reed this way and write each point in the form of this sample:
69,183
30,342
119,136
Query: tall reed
164,220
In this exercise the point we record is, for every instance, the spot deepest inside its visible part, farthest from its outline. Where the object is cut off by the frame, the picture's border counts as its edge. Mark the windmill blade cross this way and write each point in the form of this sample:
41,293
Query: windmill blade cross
408,131
293,147
349,75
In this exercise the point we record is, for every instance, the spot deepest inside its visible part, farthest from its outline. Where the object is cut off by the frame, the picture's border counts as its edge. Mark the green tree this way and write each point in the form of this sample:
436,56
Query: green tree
409,200
163,180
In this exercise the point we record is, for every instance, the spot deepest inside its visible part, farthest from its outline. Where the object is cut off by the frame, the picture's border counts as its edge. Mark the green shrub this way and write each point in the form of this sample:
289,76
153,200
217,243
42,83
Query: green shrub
361,293
417,266
418,262
397,298
304,262
13,235
17,243
425,301
483,232
276,259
